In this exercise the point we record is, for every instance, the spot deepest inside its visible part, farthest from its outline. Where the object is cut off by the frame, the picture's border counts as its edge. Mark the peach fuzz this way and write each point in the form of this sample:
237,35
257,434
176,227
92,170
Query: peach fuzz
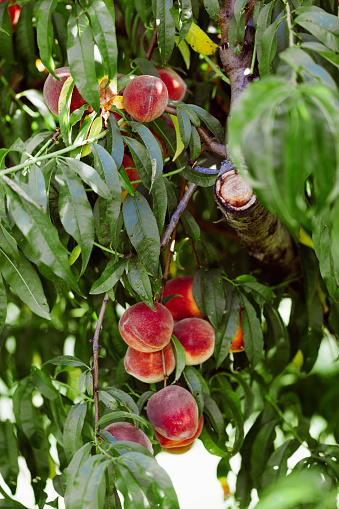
145,98
127,431
52,89
146,330
131,172
148,367
197,337
238,340
173,412
170,444
175,84
182,306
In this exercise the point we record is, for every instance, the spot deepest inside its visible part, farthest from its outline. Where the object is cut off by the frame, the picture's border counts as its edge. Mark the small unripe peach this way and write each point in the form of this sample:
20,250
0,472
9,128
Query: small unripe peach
175,84
145,98
173,412
148,367
146,330
166,443
127,431
238,340
197,337
182,306
52,89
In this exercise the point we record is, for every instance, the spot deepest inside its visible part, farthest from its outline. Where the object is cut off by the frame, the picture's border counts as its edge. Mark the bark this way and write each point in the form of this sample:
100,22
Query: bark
261,233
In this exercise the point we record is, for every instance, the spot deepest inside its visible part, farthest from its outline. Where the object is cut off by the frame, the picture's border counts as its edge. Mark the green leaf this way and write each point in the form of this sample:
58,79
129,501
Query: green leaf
146,67
40,233
64,105
212,8
233,404
45,34
323,51
8,243
268,44
260,293
117,143
102,19
142,161
152,147
185,18
194,382
184,126
67,360
190,225
43,382
215,415
112,416
74,423
139,280
320,24
125,399
72,471
166,29
194,144
25,47
75,211
159,195
200,179
262,449
88,175
142,230
80,52
9,467
6,42
108,400
36,186
109,278
253,336
211,122
213,296
21,276
180,358
3,304
278,459
224,335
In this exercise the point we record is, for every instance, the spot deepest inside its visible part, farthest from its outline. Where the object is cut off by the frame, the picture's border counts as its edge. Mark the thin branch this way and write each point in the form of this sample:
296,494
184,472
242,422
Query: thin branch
249,9
212,145
96,348
153,44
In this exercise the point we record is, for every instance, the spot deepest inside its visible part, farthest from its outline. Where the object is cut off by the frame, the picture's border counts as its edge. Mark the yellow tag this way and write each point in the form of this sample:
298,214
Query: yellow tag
199,41
118,102
180,145
305,238
94,130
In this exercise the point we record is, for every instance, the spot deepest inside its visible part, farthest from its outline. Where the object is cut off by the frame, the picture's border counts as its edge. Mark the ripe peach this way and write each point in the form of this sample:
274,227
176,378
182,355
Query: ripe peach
148,367
173,412
197,337
175,84
127,431
238,340
183,306
166,443
52,89
145,98
146,330
131,172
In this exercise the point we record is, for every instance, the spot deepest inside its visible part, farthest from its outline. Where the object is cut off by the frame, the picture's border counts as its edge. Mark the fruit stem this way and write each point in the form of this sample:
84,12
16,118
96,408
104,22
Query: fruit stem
96,348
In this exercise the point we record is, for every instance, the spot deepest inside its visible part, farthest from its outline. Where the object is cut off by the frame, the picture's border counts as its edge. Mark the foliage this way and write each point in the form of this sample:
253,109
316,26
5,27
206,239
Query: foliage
66,240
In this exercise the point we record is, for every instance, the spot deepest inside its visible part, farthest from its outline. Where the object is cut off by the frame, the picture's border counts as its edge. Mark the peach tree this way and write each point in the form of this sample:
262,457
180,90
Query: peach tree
232,183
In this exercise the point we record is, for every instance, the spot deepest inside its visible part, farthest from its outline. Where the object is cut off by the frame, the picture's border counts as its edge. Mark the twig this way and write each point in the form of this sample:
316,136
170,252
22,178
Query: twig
176,216
249,9
153,44
212,145
96,348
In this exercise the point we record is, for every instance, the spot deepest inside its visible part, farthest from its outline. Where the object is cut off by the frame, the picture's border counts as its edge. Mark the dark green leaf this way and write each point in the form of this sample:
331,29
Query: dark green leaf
109,277
211,122
117,143
142,161
67,360
146,67
185,18
142,229
139,280
200,179
233,403
190,225
43,382
166,29
74,423
72,471
194,144
88,175
111,417
9,467
215,415
152,147
253,336
262,449
108,400
278,459
213,296
45,34
184,126
159,195
320,24
268,43
125,399
195,385
180,358
212,7
8,244
64,105
3,304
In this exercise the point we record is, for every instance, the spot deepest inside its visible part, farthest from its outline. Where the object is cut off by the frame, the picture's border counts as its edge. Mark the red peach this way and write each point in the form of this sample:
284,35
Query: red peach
166,443
148,367
145,98
238,340
52,89
127,431
197,337
182,306
146,330
173,412
175,84
131,172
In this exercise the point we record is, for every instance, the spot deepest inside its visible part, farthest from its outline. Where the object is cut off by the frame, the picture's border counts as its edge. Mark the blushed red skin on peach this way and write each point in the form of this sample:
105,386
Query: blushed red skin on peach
52,89
197,337
169,444
238,341
182,306
175,84
127,431
148,367
146,330
145,98
173,412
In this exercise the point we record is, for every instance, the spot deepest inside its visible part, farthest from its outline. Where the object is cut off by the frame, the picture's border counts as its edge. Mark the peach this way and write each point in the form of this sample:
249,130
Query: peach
197,337
182,306
148,367
145,98
173,412
146,330
166,443
238,340
52,89
175,84
127,431
14,13
131,172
